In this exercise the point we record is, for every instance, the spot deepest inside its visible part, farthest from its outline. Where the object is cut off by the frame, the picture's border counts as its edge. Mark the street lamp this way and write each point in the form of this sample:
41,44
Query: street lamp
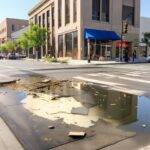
124,30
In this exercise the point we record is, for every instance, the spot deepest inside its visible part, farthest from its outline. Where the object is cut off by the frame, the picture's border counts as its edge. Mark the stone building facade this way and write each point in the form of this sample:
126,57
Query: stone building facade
71,23
10,25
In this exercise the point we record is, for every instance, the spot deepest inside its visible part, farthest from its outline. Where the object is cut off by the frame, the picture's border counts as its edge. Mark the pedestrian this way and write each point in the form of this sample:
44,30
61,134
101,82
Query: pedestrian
126,56
134,55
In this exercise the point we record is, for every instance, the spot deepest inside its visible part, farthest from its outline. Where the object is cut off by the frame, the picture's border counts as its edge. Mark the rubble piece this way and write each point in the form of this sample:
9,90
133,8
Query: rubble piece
35,95
51,127
77,134
80,111
46,81
144,125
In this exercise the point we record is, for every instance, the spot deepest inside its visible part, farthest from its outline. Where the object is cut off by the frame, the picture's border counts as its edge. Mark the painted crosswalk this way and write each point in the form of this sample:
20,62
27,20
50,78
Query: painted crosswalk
120,83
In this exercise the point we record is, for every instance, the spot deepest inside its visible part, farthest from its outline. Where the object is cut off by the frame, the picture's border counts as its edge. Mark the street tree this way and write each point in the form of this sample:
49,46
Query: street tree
146,40
24,42
3,48
37,36
11,46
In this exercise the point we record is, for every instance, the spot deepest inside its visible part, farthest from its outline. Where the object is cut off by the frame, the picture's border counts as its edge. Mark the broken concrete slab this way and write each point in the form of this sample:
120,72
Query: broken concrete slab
8,81
80,111
77,134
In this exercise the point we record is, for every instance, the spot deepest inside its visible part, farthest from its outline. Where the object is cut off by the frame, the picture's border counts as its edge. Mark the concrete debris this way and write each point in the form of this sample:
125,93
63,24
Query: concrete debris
51,127
144,125
80,111
77,134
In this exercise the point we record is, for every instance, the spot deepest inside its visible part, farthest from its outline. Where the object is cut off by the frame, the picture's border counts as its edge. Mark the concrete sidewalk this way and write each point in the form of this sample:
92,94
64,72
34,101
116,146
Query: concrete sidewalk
7,140
85,62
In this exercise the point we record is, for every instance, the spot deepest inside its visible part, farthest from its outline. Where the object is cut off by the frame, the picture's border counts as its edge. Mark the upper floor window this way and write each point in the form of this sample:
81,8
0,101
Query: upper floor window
59,13
128,13
74,10
100,10
48,19
13,27
53,19
67,11
35,19
39,20
43,17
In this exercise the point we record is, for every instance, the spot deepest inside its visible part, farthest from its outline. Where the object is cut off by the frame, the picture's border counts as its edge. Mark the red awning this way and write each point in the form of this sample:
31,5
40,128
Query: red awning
125,44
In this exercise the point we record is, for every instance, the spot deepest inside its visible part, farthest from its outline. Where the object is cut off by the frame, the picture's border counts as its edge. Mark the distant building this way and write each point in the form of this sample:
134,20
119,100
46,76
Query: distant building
10,25
71,23
144,27
17,34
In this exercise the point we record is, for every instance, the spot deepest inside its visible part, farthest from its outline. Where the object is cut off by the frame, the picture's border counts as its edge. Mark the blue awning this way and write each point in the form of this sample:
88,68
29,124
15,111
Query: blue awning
101,35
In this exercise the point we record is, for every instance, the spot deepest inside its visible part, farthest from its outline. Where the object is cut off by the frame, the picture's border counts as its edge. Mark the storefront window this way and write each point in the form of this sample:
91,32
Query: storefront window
71,44
60,46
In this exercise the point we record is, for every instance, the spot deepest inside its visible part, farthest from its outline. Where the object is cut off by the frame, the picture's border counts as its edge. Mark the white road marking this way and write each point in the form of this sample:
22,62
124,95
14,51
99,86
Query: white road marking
98,81
4,76
121,77
145,148
128,90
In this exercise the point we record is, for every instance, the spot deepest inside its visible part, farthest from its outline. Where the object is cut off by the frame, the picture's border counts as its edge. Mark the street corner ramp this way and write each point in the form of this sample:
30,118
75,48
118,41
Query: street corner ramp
99,141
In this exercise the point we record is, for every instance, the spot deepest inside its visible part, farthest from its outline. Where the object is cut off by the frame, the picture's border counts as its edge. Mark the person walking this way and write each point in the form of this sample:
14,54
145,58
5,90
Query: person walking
134,55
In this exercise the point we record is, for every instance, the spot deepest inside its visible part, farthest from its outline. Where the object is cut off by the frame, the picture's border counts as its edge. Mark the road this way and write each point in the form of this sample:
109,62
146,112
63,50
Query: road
130,78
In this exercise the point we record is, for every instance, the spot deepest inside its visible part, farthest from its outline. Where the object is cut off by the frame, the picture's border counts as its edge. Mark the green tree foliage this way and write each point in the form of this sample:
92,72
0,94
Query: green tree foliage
9,46
146,38
23,41
37,36
3,48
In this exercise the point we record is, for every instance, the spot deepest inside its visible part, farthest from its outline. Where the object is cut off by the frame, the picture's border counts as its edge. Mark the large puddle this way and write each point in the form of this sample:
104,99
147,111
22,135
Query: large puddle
82,104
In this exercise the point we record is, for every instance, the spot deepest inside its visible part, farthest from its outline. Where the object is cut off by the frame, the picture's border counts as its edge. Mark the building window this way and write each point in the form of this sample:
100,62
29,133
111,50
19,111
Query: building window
43,18
100,10
13,27
59,13
128,14
67,11
35,19
71,44
105,11
74,10
96,9
60,46
53,19
48,19
40,21
75,44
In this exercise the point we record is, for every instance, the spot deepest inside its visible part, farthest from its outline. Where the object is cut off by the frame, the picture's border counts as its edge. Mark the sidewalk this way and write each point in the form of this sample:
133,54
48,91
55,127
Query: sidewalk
85,62
7,140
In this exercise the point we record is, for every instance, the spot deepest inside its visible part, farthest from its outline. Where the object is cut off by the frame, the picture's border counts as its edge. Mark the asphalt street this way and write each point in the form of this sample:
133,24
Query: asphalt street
130,78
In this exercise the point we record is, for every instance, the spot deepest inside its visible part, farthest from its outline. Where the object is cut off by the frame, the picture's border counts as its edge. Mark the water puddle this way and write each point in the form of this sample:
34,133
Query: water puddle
80,103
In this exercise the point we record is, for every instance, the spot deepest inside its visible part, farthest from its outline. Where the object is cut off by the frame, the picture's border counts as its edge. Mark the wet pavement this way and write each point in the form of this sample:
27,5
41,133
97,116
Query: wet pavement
35,102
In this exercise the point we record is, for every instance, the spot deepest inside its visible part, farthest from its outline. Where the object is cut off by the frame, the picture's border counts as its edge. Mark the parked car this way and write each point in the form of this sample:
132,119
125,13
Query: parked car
148,59
11,56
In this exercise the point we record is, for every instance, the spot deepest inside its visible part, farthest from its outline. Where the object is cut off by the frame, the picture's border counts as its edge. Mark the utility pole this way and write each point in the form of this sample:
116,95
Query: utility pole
124,30
89,53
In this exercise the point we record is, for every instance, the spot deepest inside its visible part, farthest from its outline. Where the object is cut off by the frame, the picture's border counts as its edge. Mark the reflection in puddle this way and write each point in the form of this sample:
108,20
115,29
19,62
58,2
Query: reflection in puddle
79,103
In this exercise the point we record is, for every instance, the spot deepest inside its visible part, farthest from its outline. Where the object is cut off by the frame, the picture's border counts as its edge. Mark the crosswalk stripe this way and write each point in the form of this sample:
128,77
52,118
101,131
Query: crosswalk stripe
121,77
98,81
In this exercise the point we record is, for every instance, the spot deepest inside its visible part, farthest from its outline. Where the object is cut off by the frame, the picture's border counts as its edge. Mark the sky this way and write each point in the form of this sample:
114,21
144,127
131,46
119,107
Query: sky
20,8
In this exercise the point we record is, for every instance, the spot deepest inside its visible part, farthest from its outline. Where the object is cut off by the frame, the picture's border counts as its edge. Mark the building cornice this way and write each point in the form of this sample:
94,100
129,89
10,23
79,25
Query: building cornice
41,3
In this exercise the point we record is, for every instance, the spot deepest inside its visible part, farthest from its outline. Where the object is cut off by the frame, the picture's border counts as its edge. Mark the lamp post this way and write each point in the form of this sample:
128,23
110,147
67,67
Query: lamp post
124,30
89,53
